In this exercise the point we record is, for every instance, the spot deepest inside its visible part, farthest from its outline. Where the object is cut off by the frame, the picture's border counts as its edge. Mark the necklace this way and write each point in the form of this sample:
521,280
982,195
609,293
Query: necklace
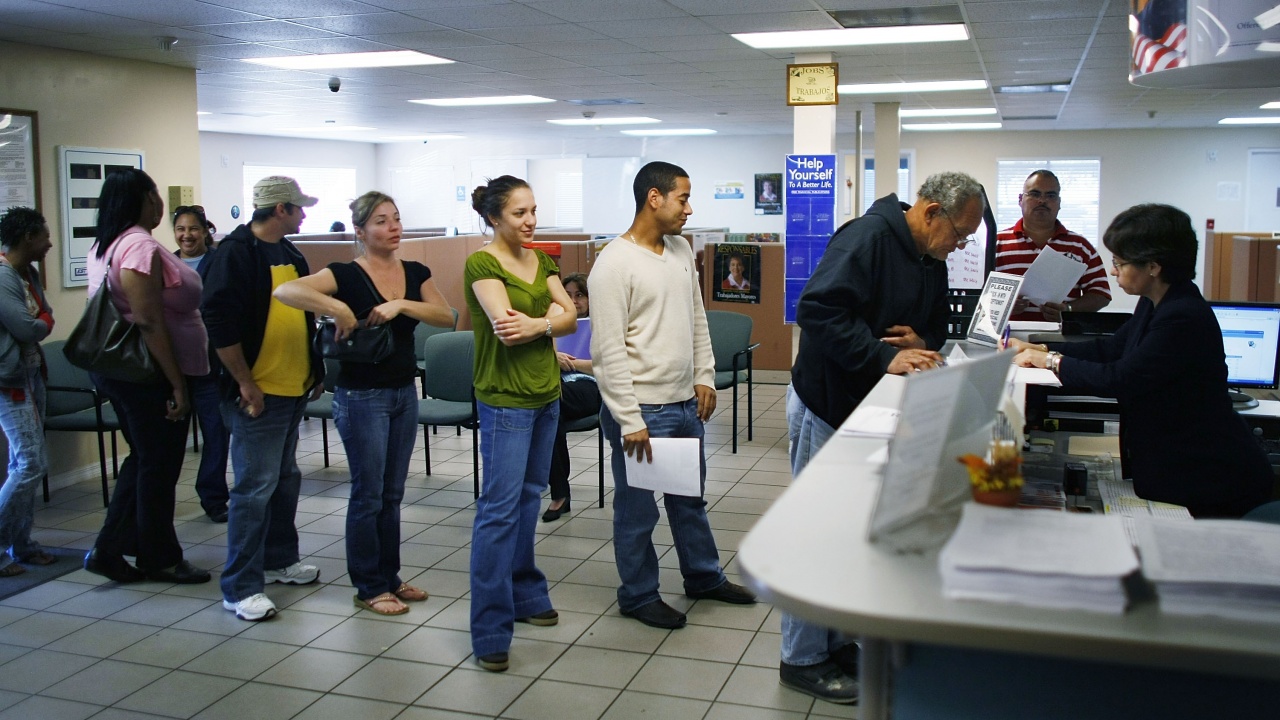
631,240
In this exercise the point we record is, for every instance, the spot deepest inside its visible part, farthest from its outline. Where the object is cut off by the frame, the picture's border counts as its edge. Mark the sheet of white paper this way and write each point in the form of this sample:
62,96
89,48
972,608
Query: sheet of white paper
1033,326
1051,277
957,356
1035,376
871,421
674,470
1033,542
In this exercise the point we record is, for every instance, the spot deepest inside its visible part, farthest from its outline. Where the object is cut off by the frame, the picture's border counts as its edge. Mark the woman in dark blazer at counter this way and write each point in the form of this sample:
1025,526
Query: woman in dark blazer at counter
1180,440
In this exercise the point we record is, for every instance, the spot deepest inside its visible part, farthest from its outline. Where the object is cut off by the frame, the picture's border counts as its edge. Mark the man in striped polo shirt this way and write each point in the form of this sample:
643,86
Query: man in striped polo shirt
1017,248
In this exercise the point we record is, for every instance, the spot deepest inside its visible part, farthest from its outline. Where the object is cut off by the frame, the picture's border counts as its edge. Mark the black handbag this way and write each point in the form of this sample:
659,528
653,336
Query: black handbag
105,343
364,344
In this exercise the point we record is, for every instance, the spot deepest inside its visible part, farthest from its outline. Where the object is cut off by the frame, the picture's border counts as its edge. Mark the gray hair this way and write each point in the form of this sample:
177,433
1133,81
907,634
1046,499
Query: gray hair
951,190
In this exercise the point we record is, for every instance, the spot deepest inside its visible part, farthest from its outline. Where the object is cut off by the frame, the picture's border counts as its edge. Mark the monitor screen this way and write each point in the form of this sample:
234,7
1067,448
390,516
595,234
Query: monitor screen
1251,339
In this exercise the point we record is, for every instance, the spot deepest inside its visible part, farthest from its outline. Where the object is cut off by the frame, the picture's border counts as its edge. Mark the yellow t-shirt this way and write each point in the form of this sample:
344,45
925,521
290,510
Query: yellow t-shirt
283,367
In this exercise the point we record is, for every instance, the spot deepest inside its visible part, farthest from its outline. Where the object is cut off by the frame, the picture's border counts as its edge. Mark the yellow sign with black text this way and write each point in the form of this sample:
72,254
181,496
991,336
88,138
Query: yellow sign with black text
813,84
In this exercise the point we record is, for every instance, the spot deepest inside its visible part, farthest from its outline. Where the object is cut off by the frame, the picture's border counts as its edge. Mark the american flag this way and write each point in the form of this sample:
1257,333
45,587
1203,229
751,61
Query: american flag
1167,52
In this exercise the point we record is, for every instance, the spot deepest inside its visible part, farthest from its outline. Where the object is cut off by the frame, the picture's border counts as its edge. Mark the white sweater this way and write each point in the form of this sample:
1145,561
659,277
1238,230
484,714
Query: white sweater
649,340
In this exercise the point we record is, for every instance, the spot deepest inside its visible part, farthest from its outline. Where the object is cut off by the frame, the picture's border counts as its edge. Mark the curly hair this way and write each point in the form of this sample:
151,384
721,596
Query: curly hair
18,224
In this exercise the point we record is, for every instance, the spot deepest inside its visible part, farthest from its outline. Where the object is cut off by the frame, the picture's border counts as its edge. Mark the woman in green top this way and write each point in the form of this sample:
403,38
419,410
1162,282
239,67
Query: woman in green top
517,305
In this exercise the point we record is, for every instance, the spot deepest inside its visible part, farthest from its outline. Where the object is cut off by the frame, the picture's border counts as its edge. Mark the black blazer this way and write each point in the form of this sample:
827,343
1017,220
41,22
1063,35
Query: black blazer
1180,440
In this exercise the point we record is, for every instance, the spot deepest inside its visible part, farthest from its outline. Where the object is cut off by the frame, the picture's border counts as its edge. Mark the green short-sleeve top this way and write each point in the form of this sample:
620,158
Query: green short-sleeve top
521,376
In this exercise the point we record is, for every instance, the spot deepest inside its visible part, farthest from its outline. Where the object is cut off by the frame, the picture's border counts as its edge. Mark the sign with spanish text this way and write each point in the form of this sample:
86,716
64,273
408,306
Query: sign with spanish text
736,274
809,205
813,84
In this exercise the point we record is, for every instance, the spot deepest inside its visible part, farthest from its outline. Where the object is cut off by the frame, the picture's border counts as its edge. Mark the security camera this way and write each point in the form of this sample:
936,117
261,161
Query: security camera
588,114
335,83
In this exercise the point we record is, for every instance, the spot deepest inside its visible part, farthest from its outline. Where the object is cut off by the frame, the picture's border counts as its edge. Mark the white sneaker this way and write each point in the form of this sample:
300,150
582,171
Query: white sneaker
253,608
295,574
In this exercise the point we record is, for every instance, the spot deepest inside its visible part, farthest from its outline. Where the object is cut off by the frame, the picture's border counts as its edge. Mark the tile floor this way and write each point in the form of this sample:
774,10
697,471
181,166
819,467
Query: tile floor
79,647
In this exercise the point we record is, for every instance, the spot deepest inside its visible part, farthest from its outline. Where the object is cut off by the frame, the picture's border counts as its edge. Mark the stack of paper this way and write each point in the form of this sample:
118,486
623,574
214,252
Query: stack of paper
1225,568
871,421
1119,499
1040,559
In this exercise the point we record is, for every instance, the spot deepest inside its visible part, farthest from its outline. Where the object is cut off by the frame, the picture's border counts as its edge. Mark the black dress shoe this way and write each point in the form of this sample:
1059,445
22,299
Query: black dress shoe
824,681
184,573
494,662
553,515
728,592
658,614
112,567
846,658
217,515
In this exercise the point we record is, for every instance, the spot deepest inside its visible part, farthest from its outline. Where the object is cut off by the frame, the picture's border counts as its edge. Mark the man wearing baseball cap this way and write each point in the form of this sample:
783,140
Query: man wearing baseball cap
269,371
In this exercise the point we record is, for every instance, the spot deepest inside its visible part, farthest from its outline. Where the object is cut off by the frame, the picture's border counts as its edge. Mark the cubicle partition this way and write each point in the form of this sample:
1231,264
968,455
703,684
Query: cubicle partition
767,328
1242,266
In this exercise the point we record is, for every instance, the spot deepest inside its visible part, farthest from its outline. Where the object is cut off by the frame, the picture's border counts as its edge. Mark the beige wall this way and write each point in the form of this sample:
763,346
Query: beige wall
94,101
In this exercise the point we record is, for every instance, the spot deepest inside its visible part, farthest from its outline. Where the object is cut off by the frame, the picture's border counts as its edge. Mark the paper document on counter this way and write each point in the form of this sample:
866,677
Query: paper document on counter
675,470
871,421
1224,568
1051,277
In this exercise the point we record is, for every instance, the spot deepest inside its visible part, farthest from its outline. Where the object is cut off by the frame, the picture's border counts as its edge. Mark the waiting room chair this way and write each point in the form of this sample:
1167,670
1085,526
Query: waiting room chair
449,387
587,424
731,344
1267,512
421,332
74,405
322,407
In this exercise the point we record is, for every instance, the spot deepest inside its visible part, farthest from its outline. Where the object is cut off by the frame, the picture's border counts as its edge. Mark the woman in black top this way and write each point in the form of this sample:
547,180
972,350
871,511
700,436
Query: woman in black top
1180,440
375,405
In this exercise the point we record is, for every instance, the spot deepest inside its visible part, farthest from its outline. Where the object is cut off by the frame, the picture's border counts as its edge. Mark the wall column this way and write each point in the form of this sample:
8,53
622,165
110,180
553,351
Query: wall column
888,146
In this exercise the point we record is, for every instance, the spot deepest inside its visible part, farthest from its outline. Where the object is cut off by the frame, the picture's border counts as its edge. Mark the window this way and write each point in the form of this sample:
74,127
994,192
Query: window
869,181
1081,189
568,200
334,187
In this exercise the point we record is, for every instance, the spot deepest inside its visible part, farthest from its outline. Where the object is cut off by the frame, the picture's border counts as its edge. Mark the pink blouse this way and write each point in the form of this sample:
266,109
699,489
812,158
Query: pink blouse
134,250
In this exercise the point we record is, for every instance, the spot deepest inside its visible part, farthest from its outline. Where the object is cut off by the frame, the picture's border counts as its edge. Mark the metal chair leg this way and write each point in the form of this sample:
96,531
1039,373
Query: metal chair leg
600,443
324,438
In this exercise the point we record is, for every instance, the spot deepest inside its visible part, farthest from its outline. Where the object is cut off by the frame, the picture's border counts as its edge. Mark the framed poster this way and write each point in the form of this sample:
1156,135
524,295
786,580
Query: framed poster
736,274
80,175
19,159
768,193
813,84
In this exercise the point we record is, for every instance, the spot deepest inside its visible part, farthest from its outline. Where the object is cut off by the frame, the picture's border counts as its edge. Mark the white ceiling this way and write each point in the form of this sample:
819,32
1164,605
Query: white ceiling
675,57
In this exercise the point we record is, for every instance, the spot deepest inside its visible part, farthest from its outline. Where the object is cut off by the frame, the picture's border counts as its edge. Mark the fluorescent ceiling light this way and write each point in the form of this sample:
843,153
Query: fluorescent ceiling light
341,61
490,100
423,138
905,87
330,128
605,121
952,126
844,37
1271,106
946,112
1250,121
1036,88
656,132
203,112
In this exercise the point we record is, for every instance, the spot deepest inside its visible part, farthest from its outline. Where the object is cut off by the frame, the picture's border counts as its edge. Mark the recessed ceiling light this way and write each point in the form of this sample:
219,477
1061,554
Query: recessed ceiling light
330,128
905,87
1250,121
605,121
655,132
422,138
337,61
845,37
952,126
1034,88
1271,106
946,112
490,100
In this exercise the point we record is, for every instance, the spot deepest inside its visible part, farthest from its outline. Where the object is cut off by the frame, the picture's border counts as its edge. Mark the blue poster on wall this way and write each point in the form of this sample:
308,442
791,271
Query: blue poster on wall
809,203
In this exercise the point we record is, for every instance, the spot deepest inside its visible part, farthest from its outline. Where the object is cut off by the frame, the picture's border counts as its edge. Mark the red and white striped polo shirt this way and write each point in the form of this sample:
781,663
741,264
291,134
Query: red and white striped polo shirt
1015,252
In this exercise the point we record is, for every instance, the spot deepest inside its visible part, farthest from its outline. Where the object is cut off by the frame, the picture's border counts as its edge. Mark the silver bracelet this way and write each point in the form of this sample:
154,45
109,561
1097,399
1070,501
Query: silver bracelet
1052,362
548,327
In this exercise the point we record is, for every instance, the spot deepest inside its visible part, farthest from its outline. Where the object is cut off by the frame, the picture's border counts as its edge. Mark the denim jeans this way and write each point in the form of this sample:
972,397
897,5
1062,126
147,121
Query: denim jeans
22,422
140,515
211,480
378,427
635,514
260,531
804,643
515,445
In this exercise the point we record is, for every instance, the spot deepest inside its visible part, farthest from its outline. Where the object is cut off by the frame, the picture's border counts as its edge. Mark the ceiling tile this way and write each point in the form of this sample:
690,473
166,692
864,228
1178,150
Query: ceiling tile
265,31
370,24
580,11
769,22
510,16
297,8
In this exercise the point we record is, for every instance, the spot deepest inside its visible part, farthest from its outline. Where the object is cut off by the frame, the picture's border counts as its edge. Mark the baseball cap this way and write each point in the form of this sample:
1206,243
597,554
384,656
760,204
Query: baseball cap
277,189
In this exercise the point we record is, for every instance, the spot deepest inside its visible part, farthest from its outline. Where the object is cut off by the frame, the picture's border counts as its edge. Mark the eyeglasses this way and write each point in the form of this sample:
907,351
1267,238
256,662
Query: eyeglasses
1050,196
184,209
961,240
1117,263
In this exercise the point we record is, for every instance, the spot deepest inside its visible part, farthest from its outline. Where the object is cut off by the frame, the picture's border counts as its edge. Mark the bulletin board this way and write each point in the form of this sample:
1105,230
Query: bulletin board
81,172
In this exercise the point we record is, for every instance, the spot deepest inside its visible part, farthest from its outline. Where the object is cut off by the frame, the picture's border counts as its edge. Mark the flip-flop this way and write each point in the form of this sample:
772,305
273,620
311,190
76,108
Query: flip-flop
409,593
372,604
11,570
41,558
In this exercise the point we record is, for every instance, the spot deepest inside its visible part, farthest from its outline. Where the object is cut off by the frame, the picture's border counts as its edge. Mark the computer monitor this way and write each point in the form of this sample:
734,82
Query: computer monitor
1251,339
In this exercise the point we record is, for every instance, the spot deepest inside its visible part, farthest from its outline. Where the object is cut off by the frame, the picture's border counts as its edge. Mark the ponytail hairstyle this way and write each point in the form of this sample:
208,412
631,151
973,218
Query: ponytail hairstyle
489,199
362,209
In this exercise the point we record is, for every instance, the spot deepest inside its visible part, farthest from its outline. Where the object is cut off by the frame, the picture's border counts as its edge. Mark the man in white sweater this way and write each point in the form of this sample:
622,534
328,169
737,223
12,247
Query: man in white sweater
652,359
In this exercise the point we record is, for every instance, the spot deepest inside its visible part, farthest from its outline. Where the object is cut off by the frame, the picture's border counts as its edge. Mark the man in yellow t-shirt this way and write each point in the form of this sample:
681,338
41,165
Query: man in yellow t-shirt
269,370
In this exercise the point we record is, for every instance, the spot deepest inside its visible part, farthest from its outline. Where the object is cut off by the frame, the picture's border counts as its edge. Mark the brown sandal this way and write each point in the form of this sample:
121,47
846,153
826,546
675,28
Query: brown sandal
373,604
409,593
11,570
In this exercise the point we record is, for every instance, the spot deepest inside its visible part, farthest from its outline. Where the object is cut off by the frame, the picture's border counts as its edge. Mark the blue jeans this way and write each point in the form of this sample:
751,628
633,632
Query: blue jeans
804,643
378,427
635,513
515,445
260,531
22,423
211,481
139,518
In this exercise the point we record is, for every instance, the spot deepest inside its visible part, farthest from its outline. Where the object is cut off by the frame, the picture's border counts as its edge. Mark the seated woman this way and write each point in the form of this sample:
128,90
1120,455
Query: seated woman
1180,440
579,398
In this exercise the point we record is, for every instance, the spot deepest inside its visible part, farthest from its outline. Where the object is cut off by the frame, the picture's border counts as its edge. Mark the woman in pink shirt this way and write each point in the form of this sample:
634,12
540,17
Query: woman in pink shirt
160,294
